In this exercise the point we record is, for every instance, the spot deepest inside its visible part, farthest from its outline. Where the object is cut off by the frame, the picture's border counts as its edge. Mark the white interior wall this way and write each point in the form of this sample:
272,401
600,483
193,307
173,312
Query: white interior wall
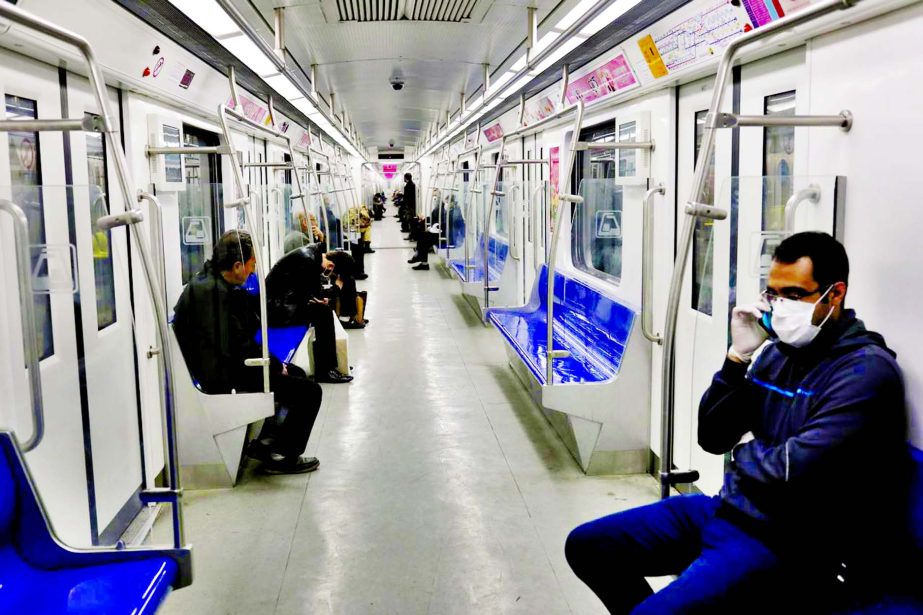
850,70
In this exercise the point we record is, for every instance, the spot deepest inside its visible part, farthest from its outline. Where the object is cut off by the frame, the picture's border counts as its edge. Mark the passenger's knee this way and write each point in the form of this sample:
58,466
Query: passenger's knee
579,546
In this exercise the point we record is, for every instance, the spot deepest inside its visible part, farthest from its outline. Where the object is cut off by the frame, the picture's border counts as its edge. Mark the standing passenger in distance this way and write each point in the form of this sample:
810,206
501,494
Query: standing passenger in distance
823,403
408,208
294,297
216,321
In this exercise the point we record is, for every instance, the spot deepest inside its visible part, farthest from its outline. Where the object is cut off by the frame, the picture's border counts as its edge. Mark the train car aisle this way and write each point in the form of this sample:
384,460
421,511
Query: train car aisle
441,488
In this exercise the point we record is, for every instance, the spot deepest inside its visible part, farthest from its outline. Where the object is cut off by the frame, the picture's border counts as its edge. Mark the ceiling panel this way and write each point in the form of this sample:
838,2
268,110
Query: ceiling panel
438,47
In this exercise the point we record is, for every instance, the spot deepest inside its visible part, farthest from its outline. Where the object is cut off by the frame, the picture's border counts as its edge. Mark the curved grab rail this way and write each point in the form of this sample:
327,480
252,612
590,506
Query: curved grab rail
647,266
811,194
27,317
538,246
514,236
695,209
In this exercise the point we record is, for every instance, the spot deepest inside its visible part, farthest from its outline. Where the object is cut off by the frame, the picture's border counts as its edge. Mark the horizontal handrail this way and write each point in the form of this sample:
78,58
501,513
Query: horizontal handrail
221,150
729,120
88,123
614,145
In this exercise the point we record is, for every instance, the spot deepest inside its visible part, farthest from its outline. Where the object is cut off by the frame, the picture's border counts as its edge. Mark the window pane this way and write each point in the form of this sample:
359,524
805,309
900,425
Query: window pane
778,161
198,203
596,238
703,255
26,181
102,240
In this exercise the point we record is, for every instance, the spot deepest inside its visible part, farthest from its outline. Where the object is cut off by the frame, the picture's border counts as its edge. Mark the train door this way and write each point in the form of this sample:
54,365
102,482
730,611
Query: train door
32,175
109,357
701,332
730,257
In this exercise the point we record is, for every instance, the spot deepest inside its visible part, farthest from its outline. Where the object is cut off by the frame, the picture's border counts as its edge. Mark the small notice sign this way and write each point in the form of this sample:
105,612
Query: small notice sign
608,224
195,230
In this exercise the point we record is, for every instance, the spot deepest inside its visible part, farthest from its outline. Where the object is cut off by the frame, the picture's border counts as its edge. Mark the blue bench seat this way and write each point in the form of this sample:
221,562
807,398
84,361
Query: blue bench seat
39,575
283,341
594,328
498,250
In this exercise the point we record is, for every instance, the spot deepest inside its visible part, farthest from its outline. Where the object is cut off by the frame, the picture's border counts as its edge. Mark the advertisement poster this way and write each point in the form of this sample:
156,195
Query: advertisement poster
538,109
494,132
554,176
250,108
600,82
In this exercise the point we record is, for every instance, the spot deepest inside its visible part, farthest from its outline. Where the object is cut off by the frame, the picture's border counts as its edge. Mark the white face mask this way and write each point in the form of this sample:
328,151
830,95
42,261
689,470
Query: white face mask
792,320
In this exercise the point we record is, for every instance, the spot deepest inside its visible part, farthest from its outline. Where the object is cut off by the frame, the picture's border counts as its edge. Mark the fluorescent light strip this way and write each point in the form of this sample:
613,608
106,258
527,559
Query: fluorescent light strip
209,16
248,53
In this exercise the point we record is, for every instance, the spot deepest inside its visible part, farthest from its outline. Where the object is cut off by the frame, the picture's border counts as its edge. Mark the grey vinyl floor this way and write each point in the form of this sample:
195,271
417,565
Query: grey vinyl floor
441,489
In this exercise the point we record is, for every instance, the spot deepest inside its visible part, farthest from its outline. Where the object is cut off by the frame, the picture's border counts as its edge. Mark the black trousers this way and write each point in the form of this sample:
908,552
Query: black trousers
325,351
358,252
425,242
297,403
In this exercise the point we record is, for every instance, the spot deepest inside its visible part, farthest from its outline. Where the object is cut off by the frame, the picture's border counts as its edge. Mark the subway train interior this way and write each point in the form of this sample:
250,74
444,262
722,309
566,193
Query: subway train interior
461,306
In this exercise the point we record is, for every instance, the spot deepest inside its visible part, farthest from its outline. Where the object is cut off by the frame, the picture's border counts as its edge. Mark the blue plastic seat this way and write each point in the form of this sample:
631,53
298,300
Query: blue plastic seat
283,341
497,248
594,328
40,575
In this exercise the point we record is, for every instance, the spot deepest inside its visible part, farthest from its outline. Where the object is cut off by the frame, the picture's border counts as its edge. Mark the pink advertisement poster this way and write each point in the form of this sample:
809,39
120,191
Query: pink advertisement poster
389,170
251,109
305,140
603,81
554,175
538,110
492,133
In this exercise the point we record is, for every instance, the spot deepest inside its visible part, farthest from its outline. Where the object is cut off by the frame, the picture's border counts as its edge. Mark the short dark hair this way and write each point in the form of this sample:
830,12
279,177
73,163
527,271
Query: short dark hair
343,263
408,177
828,256
233,247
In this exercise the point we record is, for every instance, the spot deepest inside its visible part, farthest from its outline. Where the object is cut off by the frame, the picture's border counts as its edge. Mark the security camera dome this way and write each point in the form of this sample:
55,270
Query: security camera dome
397,83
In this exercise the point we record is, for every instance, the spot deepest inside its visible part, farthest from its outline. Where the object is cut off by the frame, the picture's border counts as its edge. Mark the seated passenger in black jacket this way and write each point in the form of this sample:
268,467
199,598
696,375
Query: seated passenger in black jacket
294,297
823,403
215,321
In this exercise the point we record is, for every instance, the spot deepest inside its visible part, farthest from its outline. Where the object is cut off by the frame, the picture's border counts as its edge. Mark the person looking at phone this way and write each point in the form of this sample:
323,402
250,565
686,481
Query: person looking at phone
806,417
294,297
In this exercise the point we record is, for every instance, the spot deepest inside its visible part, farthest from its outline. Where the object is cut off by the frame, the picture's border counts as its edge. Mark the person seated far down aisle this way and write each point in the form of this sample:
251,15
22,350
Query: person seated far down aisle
306,232
215,322
824,402
294,297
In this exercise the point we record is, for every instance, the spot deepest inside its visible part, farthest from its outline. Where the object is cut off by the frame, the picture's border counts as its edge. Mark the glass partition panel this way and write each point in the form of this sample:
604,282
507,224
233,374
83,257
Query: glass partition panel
456,200
198,228
596,232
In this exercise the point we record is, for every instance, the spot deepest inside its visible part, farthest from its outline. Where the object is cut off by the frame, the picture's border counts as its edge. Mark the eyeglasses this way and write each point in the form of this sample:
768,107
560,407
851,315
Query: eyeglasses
793,294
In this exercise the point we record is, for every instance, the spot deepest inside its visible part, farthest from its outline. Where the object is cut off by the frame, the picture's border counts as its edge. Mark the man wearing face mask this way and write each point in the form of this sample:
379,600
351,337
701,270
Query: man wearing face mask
819,411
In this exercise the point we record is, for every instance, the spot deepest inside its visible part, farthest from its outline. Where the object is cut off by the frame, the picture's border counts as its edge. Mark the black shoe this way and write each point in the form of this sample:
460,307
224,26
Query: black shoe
415,259
333,377
352,324
361,276
369,251
421,267
290,465
259,451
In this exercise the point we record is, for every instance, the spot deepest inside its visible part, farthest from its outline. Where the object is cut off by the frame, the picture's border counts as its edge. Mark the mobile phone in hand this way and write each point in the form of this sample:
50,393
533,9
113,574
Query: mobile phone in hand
765,322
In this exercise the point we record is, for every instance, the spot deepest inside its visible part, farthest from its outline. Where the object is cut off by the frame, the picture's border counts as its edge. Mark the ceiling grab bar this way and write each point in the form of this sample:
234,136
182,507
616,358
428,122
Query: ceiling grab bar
553,354
695,209
30,346
810,194
647,266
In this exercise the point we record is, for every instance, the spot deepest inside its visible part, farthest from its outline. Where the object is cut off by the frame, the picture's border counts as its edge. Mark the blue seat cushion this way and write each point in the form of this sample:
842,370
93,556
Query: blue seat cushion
283,341
498,249
593,327
122,588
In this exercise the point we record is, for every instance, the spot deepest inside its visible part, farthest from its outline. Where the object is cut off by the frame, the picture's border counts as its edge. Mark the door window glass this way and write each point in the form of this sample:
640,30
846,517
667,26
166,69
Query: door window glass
596,238
26,190
200,216
778,161
102,240
703,253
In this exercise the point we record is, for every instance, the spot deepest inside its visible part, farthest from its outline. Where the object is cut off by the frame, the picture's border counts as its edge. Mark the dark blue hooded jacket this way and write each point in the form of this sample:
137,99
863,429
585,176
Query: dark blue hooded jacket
825,474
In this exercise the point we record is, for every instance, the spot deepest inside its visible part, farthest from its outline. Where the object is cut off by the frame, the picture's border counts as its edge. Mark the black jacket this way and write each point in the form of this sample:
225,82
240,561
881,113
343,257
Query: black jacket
825,472
215,324
292,283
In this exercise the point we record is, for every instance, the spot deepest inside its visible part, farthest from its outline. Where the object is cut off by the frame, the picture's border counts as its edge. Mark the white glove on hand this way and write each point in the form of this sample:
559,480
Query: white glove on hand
746,333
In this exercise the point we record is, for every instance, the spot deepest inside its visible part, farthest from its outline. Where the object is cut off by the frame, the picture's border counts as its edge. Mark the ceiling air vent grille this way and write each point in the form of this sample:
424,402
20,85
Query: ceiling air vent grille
414,10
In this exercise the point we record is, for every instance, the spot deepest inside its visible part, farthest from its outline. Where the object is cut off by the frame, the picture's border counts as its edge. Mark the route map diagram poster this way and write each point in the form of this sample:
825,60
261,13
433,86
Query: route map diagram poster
700,36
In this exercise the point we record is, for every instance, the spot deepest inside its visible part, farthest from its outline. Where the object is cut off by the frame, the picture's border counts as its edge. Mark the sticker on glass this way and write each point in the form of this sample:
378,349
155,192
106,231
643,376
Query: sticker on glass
608,224
195,230
54,268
